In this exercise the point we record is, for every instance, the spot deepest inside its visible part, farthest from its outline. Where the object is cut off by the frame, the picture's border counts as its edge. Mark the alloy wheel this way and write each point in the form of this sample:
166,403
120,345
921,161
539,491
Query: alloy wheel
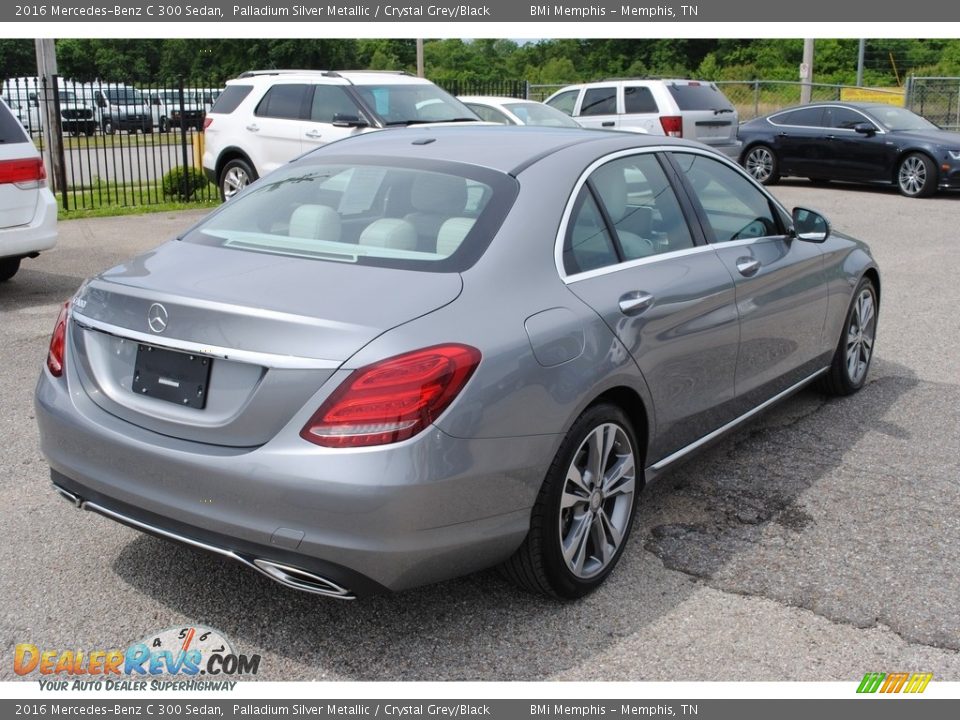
913,175
597,500
860,335
760,164
234,180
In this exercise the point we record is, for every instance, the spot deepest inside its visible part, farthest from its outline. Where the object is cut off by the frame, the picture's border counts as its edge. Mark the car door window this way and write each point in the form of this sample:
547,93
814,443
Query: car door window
330,101
641,207
564,102
843,118
639,100
599,101
802,117
283,101
735,208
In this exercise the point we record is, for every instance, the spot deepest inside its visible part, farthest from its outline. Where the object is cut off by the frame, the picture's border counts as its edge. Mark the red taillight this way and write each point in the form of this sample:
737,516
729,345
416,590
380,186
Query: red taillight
58,342
672,125
24,172
393,399
207,121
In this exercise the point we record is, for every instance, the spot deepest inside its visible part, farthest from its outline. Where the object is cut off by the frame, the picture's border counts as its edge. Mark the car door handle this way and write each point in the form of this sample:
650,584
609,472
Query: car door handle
608,123
253,128
636,302
748,266
314,134
781,134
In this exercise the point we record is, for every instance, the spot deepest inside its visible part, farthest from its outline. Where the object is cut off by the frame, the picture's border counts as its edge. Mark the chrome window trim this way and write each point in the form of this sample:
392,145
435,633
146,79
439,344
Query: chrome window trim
254,357
696,249
880,130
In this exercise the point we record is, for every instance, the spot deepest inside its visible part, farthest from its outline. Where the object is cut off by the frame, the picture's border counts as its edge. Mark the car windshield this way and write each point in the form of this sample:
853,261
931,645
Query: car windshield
369,214
896,118
532,113
413,103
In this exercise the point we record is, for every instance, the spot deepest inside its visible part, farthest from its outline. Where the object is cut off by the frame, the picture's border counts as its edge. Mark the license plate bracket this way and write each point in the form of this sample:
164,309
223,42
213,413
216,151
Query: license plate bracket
175,377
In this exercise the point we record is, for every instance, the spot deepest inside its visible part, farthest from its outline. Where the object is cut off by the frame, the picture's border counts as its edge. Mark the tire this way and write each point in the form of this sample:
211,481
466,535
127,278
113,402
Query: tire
762,164
8,268
851,361
108,127
164,125
578,528
234,177
917,176
147,129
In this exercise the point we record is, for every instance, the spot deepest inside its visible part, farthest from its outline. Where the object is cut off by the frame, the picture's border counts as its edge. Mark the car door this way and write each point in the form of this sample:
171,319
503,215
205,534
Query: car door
598,107
854,155
275,130
640,109
781,292
801,142
629,253
329,104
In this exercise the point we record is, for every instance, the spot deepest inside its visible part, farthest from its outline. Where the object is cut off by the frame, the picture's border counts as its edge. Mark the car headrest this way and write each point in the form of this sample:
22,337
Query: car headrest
390,233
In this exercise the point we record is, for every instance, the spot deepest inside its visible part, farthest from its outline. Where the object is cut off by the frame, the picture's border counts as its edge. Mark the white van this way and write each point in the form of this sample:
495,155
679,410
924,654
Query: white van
24,95
119,107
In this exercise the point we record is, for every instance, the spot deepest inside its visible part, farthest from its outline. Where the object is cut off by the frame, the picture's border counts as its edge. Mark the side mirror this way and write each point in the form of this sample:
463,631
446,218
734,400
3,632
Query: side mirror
810,226
345,120
865,128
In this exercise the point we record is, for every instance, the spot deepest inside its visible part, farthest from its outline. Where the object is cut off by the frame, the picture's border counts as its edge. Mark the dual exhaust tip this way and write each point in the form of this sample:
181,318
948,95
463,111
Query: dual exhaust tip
287,575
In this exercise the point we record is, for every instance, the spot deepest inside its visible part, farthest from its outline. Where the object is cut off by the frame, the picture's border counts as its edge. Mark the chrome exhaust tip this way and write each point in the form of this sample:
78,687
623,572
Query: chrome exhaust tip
69,496
302,580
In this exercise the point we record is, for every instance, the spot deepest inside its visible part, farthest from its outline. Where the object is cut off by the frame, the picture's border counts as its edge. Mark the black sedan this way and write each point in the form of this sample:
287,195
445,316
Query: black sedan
857,142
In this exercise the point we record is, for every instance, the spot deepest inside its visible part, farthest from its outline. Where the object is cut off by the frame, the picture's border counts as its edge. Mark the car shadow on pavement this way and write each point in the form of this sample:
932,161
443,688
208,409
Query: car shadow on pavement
775,510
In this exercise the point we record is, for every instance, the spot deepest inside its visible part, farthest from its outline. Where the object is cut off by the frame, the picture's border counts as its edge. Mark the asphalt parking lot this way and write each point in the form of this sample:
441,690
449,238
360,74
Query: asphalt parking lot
818,543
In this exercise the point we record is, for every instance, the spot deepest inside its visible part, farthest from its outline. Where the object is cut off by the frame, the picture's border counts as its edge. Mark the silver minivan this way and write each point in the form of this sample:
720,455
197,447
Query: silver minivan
677,108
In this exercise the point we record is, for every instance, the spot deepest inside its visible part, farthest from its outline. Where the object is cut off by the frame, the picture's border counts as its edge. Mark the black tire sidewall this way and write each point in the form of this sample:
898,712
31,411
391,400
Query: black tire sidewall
931,181
841,358
774,175
564,582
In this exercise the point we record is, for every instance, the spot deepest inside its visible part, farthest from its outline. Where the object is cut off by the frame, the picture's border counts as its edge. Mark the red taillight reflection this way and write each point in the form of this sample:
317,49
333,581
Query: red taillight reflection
207,121
29,171
394,399
58,342
672,125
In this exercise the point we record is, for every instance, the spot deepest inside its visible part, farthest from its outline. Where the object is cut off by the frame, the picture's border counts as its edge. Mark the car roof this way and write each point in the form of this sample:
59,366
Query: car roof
498,147
356,77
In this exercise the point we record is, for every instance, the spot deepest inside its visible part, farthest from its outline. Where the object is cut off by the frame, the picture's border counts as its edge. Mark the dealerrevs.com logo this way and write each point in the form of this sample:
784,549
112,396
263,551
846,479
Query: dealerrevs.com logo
178,658
911,683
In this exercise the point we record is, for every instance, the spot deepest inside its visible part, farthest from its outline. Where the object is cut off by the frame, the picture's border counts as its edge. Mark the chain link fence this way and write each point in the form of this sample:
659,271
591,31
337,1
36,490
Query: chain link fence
937,99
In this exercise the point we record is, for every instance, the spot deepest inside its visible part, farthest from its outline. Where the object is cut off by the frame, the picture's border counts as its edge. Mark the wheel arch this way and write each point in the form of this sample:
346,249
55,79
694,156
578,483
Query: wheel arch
873,274
913,150
233,153
631,403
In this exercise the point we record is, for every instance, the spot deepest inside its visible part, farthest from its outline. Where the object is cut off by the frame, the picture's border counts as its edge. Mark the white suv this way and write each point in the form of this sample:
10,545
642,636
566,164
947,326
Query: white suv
28,210
264,119
678,108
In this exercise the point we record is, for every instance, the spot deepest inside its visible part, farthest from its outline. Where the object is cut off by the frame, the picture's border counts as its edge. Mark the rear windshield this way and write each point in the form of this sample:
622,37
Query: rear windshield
700,96
230,98
425,216
10,129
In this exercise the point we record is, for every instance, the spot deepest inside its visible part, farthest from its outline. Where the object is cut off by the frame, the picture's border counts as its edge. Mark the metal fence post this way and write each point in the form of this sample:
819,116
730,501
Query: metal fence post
756,98
59,167
184,175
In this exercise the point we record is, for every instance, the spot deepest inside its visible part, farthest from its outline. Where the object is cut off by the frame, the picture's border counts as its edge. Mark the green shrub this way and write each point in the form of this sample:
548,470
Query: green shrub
182,183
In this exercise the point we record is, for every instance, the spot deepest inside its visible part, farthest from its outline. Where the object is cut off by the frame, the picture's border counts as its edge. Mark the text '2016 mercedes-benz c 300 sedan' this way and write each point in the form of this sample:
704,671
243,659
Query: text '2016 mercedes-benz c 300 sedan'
414,354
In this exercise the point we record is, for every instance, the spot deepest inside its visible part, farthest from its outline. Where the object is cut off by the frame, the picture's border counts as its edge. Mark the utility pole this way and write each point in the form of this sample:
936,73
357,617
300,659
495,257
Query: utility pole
53,139
420,57
806,72
860,53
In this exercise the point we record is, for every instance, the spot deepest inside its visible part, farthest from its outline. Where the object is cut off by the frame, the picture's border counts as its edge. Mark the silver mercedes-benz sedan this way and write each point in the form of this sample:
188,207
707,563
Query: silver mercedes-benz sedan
414,354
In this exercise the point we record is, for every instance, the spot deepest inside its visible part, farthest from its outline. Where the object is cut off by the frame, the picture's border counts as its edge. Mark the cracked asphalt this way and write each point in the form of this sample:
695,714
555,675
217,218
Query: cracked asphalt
817,543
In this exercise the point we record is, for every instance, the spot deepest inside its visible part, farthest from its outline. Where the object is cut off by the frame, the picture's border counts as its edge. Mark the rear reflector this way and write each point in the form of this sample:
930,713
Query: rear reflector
393,399
24,173
207,121
672,125
58,342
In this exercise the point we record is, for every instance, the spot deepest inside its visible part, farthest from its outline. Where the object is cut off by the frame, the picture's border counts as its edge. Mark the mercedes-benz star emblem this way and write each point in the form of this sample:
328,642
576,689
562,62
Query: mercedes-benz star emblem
157,318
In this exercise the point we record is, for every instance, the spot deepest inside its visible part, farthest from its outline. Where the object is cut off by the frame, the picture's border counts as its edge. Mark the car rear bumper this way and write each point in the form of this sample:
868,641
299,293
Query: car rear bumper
428,509
40,234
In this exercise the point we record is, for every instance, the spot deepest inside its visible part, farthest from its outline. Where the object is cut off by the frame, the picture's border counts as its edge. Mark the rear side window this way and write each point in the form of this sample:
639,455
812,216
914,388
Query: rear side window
10,130
432,216
283,101
639,100
599,101
231,98
699,96
802,117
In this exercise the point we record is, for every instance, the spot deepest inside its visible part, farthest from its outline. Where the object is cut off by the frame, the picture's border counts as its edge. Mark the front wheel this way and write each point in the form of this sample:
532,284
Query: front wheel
917,176
851,360
761,162
584,512
234,177
8,268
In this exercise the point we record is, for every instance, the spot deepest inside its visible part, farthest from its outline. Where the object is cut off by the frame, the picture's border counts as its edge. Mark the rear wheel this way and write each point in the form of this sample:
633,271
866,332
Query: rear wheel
108,128
234,177
761,162
584,512
851,361
8,268
917,176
